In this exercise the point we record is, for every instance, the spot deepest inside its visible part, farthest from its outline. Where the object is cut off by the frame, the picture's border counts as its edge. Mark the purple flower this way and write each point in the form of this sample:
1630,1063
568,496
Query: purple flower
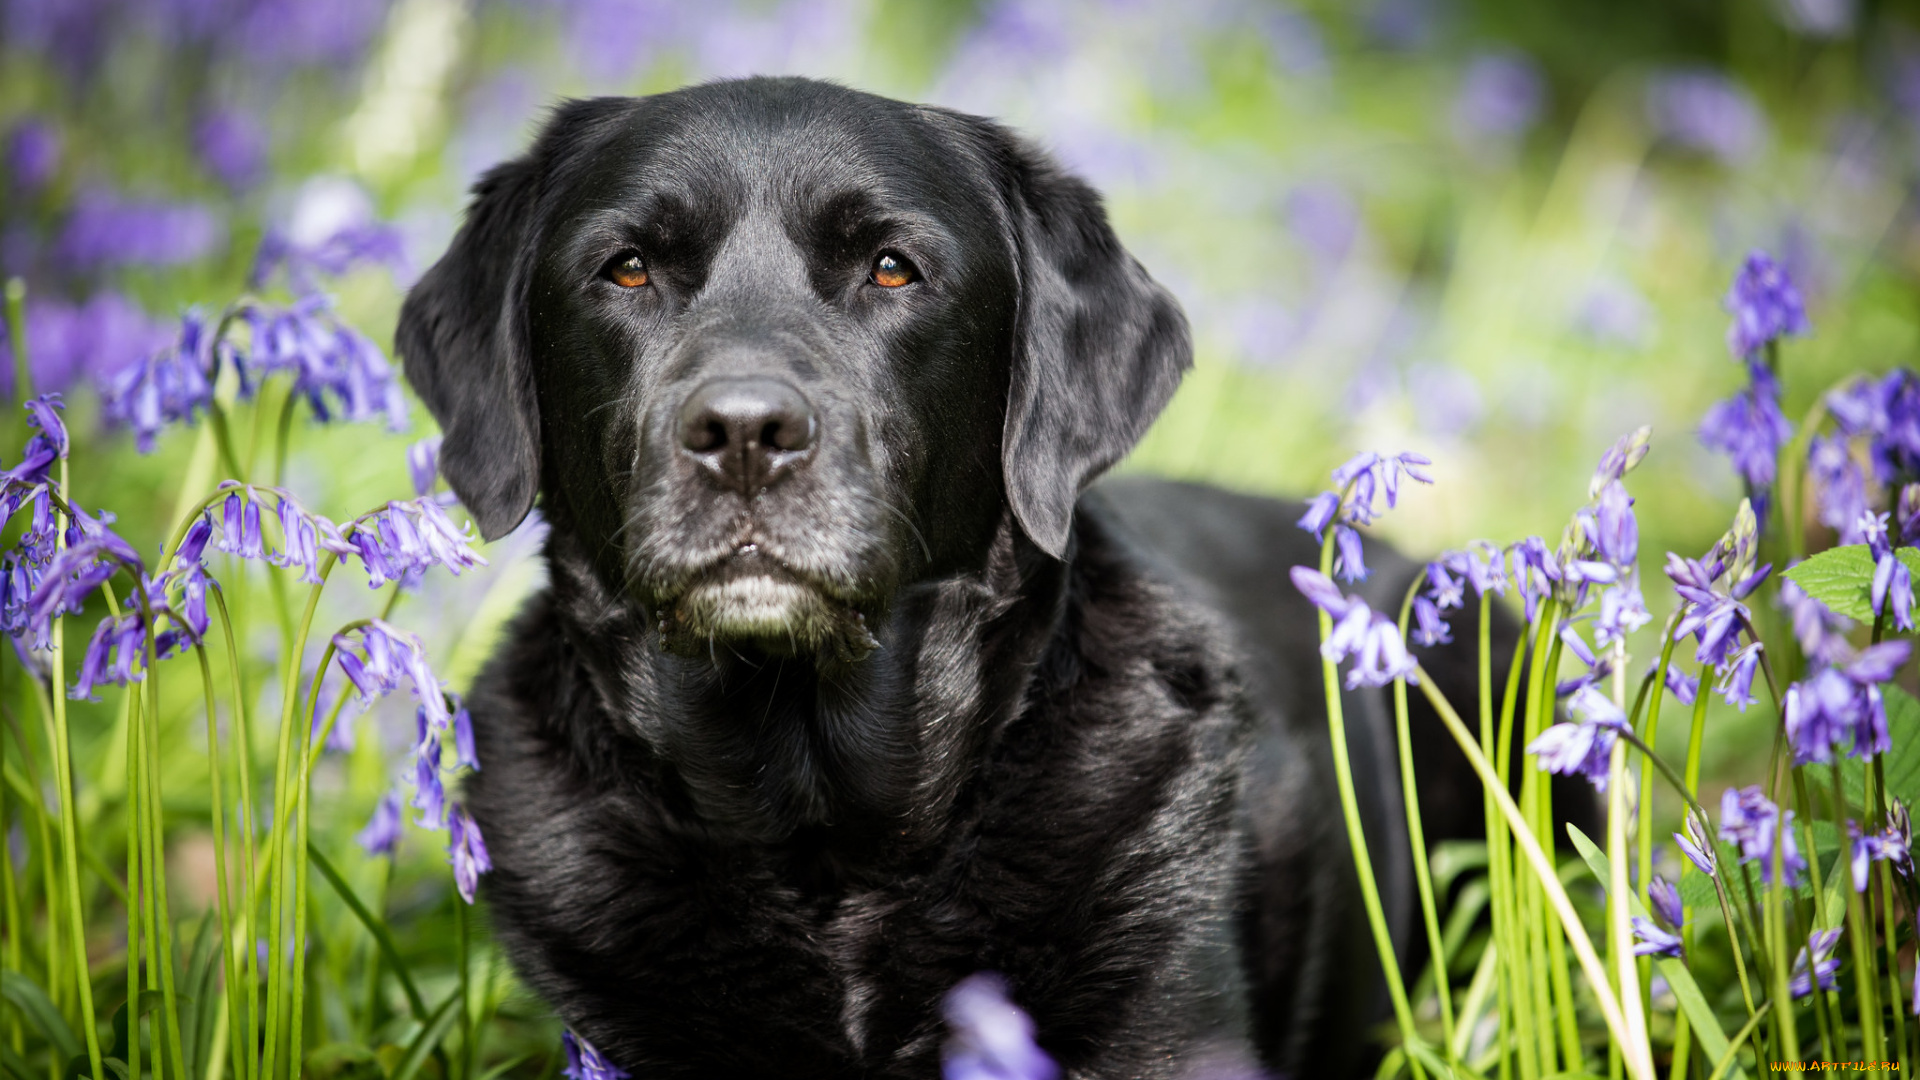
1736,678
1443,589
1816,963
1611,526
1909,514
1821,633
1841,486
1750,428
586,1063
232,145
329,360
1622,611
382,833
1534,570
169,386
1683,686
989,1037
1619,460
1650,940
1349,557
1584,747
1890,845
1765,305
1699,850
1715,616
1841,704
1501,96
1431,628
407,537
1320,512
429,795
1359,485
467,851
1666,902
423,461
33,155
1750,821
1891,580
464,752
1370,639
105,231
1704,111
94,339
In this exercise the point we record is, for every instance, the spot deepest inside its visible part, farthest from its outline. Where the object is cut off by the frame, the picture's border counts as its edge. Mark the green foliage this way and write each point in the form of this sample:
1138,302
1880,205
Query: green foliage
1842,578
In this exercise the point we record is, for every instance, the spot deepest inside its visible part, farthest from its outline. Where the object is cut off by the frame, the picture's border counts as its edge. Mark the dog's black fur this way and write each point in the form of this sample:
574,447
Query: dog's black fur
997,724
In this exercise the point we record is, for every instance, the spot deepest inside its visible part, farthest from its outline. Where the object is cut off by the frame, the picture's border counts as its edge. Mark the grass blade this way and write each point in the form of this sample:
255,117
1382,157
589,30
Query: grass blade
375,927
432,1033
26,995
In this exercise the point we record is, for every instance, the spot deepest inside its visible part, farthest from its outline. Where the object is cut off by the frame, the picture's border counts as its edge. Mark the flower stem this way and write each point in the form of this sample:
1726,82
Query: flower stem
1417,840
1356,835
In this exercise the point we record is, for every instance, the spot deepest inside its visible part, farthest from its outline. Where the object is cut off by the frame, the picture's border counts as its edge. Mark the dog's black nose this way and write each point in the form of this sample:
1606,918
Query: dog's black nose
748,431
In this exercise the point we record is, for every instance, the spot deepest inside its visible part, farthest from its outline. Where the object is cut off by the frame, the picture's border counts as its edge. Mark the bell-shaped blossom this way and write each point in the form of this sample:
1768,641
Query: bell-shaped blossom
1584,746
1696,846
1430,627
334,366
1650,940
1534,571
988,1036
1841,705
1750,428
1665,901
429,793
382,833
586,1063
1867,847
1750,821
1839,485
1736,678
1444,589
1619,460
1681,685
423,464
170,386
404,538
1892,592
467,851
1765,305
1359,485
464,751
1368,638
1821,633
1349,555
1816,964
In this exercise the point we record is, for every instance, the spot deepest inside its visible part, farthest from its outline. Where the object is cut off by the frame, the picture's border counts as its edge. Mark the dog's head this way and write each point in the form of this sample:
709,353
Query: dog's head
775,348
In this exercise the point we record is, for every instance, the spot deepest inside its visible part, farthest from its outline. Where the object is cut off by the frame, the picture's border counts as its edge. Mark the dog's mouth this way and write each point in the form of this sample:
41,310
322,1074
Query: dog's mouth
749,597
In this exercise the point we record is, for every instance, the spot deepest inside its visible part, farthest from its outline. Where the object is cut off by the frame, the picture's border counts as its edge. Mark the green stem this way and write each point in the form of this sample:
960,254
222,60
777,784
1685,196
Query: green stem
1356,836
1518,992
157,845
1417,840
230,974
1865,966
16,301
247,1065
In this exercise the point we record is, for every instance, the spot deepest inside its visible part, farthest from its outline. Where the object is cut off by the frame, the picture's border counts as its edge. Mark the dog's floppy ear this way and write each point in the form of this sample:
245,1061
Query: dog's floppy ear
462,339
1099,349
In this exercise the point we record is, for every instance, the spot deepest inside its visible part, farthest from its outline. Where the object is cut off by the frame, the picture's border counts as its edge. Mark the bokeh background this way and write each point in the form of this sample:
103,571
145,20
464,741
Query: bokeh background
1496,232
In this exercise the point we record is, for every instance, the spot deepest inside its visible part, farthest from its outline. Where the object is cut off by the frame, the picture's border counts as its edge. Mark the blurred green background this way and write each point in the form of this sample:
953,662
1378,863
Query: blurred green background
1495,232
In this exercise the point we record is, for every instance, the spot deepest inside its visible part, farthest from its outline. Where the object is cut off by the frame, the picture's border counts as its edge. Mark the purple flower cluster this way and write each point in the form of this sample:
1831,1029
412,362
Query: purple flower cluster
1584,745
1480,564
377,658
989,1037
1765,305
1714,588
584,1062
399,541
1892,591
91,339
353,244
32,155
1371,640
1358,487
335,367
105,231
1816,963
1885,414
1750,821
1750,428
1840,704
1891,844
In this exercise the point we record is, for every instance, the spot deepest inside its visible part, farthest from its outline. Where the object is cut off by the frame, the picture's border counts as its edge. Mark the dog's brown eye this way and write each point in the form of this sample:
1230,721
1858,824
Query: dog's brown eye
892,271
628,272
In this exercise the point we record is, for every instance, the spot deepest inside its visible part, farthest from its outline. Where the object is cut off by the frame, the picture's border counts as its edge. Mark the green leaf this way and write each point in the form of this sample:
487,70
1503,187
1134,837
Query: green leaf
26,995
439,1022
375,927
1706,1026
1842,578
1902,763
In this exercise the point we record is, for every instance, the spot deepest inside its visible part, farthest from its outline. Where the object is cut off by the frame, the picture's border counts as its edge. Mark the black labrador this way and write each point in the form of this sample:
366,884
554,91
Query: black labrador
845,686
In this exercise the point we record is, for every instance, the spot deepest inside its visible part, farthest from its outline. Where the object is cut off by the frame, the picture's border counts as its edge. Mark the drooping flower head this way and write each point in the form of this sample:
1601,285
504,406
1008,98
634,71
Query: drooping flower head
584,1062
1695,844
1750,428
1665,897
1359,485
1816,963
1650,940
1368,638
1840,705
382,833
1765,305
466,851
1889,844
989,1037
1750,821
171,386
1583,746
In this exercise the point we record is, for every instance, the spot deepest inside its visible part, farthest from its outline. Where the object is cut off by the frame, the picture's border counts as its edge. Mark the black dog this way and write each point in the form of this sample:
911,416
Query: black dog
842,689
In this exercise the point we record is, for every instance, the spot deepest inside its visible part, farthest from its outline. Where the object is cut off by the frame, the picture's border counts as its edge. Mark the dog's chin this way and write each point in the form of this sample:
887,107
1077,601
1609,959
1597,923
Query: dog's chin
755,602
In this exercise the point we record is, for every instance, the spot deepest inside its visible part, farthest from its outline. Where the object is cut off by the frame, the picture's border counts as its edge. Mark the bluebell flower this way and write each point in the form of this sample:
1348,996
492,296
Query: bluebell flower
92,339
1841,487
1815,964
1750,821
1359,485
1841,704
989,1037
467,851
1750,428
464,752
1867,847
1598,667
404,537
1349,557
1765,306
1650,940
382,833
1681,685
354,243
1620,459
33,155
169,386
1715,615
1430,626
232,145
1582,747
1665,898
586,1063
1534,571
1908,514
1485,568
1736,678
429,794
1892,591
1821,633
423,462
1696,846
1443,588
1611,526
104,231
1622,611
333,365
1368,638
